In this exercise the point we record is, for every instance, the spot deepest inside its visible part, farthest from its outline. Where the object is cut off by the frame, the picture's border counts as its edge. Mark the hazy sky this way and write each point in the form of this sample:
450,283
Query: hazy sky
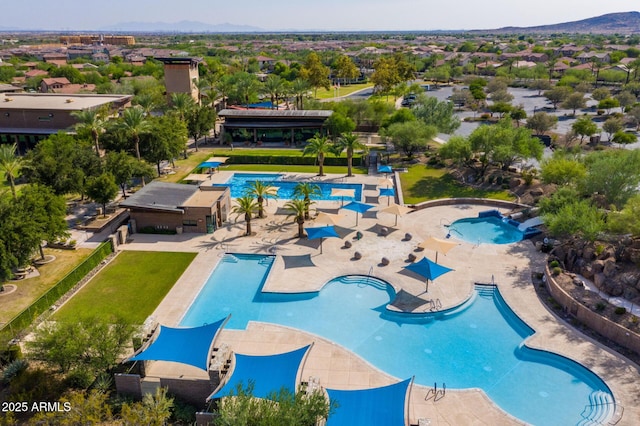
306,14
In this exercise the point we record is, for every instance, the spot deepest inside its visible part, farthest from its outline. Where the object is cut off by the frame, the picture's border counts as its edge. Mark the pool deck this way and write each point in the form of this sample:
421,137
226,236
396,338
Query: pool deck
509,266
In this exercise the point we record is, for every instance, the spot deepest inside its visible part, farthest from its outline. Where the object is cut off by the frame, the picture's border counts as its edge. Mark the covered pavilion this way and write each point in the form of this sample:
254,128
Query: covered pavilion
259,126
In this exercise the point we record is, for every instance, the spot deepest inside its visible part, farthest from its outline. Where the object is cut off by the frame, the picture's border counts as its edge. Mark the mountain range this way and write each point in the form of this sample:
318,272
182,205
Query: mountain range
180,27
620,23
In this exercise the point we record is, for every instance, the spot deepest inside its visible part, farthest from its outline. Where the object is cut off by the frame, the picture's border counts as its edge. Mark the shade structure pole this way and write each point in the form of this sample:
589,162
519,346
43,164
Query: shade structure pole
395,224
436,257
356,218
321,240
426,290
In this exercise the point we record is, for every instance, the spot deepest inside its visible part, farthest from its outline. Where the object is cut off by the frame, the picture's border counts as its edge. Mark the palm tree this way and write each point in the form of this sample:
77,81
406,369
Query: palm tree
299,88
298,208
350,142
246,206
260,190
319,146
274,86
146,101
134,123
90,120
181,104
306,190
10,165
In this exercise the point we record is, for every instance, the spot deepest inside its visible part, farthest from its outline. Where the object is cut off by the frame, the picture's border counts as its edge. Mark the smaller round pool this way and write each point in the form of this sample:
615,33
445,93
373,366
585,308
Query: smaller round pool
491,230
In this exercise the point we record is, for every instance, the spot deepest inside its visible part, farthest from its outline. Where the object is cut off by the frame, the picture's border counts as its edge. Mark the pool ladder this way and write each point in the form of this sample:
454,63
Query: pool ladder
436,393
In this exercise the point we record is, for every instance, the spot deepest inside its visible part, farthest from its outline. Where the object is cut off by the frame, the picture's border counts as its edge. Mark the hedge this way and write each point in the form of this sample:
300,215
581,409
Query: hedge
286,160
44,302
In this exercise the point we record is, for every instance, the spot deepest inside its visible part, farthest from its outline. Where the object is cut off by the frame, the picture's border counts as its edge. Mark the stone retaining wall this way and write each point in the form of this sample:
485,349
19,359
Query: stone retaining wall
605,327
477,201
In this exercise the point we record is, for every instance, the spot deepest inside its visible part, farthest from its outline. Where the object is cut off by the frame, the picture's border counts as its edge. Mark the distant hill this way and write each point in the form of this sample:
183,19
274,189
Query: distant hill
620,23
180,27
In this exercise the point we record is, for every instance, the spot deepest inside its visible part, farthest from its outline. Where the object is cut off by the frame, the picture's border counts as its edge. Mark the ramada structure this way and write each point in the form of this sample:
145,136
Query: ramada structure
177,207
259,126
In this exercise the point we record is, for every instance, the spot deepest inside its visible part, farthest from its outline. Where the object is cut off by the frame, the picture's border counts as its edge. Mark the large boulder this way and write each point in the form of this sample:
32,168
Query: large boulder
586,270
610,267
588,253
537,192
599,280
597,266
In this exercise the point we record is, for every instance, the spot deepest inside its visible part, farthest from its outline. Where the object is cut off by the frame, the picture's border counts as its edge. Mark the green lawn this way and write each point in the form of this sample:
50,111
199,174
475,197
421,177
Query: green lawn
423,183
293,168
131,287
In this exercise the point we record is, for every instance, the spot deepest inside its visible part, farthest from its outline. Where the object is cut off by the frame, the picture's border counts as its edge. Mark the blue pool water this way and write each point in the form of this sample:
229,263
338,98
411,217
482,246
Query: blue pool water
239,183
492,230
478,345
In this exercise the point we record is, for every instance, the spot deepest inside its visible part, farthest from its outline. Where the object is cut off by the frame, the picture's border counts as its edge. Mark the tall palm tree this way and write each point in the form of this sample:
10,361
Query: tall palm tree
260,190
247,206
181,104
306,190
299,88
134,122
10,165
92,121
298,208
274,86
319,146
350,142
146,101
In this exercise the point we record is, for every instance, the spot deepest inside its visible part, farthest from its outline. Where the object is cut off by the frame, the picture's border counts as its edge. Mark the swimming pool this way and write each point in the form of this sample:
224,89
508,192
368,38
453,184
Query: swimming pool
239,182
477,345
491,230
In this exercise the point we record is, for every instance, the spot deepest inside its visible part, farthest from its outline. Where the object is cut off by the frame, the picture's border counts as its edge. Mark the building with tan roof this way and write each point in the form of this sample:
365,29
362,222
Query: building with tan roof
26,118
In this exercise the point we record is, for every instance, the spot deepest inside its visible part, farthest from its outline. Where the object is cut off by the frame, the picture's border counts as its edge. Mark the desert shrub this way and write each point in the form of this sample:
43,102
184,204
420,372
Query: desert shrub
620,310
600,306
556,271
13,369
554,264
79,379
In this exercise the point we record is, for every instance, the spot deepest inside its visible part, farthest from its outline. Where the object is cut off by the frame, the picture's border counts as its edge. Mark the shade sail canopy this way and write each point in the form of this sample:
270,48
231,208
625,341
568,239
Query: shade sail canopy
321,232
357,206
379,406
185,345
267,373
387,192
384,169
343,192
209,165
328,218
437,245
428,269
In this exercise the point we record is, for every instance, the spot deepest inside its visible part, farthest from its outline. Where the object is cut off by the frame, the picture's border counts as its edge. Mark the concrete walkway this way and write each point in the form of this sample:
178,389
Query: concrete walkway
510,266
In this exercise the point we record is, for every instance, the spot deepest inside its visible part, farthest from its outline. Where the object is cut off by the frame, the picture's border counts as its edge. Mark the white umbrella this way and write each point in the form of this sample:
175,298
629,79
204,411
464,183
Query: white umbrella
385,182
343,192
437,245
328,218
397,210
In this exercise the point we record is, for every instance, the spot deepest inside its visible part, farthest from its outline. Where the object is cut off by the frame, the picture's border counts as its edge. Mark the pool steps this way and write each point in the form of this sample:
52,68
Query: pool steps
601,409
527,232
